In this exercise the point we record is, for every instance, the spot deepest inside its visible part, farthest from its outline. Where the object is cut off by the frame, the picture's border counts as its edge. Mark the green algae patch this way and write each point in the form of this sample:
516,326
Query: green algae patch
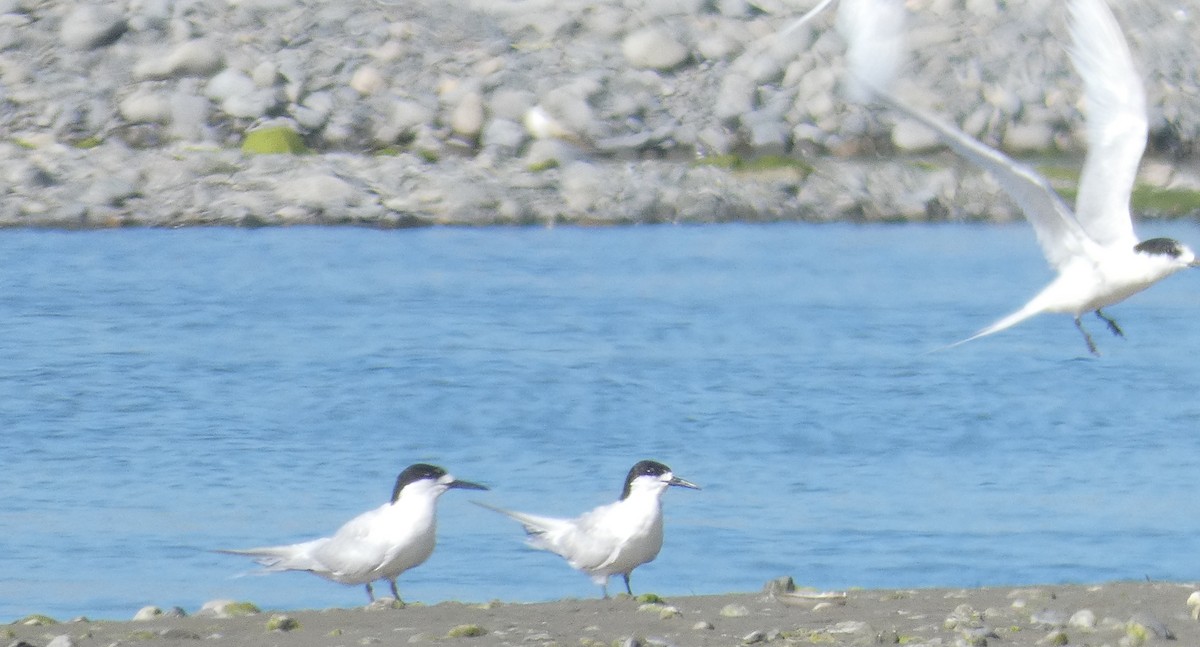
282,623
759,164
36,620
1167,202
650,598
237,609
466,631
1145,199
543,165
273,140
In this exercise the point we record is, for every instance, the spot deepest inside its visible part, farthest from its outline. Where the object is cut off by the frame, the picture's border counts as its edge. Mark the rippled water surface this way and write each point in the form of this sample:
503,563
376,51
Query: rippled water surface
165,393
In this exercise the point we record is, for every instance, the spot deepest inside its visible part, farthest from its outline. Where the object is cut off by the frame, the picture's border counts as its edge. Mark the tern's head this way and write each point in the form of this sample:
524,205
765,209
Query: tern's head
654,477
1170,250
430,479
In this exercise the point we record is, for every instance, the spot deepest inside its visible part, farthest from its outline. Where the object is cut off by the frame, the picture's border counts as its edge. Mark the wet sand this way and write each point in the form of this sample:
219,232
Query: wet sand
1120,613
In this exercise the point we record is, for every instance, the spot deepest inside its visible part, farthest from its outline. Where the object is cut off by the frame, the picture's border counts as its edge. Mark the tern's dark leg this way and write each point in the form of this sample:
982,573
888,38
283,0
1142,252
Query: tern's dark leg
1112,325
395,593
604,589
627,589
1086,337
370,592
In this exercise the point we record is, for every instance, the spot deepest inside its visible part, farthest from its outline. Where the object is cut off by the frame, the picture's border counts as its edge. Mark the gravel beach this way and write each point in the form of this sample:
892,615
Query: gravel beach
1115,614
537,112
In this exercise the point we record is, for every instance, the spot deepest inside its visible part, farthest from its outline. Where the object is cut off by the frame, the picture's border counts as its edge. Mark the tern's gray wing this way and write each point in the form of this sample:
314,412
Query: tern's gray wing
1060,235
874,32
1116,123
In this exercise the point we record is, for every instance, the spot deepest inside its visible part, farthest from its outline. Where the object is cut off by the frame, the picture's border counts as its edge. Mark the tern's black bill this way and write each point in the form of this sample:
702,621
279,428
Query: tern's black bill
682,483
466,485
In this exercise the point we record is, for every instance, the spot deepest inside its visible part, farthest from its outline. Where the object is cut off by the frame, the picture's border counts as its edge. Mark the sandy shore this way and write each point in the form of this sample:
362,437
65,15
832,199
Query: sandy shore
1121,613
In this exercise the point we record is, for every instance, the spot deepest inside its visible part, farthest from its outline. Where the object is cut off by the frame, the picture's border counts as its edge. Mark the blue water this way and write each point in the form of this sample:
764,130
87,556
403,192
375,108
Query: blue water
165,393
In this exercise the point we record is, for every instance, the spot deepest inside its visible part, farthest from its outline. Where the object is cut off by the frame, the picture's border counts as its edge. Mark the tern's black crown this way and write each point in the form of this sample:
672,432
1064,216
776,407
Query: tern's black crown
414,473
1163,246
644,468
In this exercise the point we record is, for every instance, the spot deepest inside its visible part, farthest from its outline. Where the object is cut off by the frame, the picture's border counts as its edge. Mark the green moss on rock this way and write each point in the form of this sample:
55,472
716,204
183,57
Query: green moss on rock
273,140
466,631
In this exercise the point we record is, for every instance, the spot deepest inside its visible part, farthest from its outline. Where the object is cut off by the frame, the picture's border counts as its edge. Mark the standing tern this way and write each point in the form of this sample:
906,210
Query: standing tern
1099,260
611,539
379,544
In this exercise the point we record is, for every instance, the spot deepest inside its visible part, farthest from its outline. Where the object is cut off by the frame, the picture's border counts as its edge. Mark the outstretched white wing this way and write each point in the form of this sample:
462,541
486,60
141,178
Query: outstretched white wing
1116,123
874,33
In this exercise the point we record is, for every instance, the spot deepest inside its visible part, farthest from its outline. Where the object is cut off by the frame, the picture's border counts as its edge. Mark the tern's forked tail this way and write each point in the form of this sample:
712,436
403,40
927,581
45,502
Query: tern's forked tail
1011,320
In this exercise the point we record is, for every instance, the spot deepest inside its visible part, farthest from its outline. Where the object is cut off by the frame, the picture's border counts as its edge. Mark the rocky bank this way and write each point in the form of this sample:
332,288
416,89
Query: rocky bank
476,112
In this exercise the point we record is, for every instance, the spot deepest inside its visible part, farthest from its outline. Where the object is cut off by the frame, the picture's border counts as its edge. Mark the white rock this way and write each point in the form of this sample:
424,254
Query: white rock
735,97
61,640
367,80
198,57
405,118
147,613
582,188
544,153
265,74
769,136
541,125
467,117
313,112
717,46
145,107
503,134
1028,137
318,191
1193,603
250,106
654,48
1082,619
912,136
89,26
229,83
189,115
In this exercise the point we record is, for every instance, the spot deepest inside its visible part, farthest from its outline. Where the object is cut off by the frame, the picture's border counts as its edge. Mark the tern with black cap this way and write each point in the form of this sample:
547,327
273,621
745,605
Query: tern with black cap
612,539
379,544
1099,260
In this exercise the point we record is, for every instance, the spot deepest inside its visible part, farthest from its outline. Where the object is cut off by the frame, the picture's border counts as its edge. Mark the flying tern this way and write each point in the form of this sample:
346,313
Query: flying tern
379,544
612,539
1099,260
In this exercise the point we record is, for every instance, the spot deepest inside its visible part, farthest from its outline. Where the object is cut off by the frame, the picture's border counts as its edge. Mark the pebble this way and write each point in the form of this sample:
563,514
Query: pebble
467,117
1082,619
367,80
90,26
1145,625
734,611
654,48
199,57
148,613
